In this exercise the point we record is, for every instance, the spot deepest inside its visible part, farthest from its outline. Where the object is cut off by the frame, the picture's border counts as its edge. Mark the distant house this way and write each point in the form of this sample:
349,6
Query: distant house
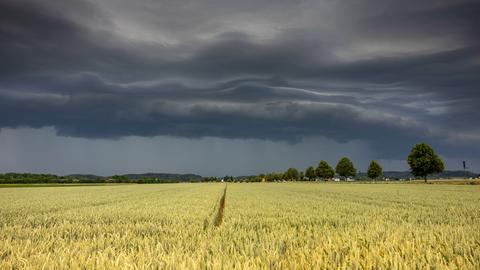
336,179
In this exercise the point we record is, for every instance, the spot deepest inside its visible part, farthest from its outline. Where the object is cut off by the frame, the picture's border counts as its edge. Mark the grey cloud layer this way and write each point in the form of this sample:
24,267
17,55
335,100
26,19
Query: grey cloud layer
76,71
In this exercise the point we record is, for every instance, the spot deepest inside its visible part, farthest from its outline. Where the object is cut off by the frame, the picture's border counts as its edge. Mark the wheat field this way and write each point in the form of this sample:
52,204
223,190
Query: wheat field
263,226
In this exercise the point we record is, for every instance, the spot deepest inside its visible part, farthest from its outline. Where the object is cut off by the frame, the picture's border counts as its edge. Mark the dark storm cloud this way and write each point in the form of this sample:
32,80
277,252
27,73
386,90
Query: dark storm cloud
81,73
459,19
36,41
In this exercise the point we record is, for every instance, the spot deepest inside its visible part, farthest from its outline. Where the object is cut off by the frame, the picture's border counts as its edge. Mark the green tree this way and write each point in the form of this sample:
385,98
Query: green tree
310,173
270,177
324,171
423,161
374,170
291,174
345,168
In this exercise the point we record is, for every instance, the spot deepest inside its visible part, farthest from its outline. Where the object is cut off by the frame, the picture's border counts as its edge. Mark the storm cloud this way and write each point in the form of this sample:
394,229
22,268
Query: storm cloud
380,72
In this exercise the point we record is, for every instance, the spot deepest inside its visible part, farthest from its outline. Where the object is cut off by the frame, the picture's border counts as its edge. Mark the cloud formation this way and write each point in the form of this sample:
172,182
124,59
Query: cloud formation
384,73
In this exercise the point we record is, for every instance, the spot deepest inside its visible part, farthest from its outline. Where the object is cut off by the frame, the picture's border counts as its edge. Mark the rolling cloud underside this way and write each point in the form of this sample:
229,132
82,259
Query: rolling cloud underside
93,83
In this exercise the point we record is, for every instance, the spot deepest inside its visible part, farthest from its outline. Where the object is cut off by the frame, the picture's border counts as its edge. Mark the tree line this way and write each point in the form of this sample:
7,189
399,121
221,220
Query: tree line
422,161
32,178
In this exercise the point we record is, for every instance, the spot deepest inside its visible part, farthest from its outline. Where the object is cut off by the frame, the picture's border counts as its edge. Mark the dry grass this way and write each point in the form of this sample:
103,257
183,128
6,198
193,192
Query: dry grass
265,226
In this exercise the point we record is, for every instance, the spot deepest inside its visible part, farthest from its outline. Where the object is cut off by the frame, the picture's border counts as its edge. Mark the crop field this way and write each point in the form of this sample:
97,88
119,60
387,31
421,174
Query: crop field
261,226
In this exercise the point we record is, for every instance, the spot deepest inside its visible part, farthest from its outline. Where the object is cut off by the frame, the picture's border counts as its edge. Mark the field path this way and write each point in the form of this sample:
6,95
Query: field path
221,208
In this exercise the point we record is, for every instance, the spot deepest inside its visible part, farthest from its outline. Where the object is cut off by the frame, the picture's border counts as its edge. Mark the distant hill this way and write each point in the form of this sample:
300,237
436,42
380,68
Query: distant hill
143,178
407,174
165,176
455,174
136,176
85,176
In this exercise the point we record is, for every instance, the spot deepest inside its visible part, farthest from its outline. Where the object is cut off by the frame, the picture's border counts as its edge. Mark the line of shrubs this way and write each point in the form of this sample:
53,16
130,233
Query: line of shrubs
32,178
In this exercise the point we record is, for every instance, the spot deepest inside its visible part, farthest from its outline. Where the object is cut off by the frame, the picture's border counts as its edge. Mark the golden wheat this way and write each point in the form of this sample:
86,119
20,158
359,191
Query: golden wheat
265,226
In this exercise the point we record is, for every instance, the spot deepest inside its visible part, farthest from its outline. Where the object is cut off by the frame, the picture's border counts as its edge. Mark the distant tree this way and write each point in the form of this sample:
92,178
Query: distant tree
324,171
301,175
270,177
210,179
291,174
252,178
374,170
228,178
345,168
423,161
310,173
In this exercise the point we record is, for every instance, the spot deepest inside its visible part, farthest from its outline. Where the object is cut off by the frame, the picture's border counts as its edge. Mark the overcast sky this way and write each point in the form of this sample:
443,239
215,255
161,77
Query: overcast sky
219,87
